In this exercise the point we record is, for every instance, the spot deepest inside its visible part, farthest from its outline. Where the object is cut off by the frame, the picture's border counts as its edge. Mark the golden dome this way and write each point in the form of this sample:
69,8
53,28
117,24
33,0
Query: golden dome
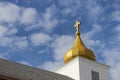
78,48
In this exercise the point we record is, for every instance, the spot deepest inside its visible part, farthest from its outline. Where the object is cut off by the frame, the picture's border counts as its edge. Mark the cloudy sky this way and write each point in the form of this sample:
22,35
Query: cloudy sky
39,32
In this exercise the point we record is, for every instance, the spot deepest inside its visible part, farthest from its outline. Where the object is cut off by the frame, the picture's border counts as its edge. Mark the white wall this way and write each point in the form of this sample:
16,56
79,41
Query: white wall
80,69
71,69
86,66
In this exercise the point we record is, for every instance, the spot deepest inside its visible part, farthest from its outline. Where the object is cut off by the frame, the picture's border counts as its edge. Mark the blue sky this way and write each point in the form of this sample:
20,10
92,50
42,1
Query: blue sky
39,32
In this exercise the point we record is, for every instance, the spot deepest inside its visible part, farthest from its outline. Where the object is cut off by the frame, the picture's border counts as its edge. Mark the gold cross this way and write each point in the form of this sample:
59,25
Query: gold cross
77,24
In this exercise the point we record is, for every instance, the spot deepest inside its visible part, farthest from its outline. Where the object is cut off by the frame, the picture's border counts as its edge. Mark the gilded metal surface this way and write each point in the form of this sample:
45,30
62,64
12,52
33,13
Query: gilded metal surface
78,48
77,26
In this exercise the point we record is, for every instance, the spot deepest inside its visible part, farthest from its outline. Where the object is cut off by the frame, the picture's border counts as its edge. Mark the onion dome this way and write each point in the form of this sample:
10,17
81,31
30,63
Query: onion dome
78,49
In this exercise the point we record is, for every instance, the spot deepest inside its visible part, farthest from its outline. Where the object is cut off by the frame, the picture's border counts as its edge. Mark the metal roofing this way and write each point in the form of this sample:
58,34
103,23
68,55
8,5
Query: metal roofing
24,72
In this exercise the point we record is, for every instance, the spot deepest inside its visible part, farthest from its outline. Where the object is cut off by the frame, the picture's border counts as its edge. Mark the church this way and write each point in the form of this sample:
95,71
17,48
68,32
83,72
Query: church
80,64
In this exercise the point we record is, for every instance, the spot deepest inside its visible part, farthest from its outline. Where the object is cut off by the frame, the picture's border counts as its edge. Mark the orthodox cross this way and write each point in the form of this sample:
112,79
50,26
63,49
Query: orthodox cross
77,24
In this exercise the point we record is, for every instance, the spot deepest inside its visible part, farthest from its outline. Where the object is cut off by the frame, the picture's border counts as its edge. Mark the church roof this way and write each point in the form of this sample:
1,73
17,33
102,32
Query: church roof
24,72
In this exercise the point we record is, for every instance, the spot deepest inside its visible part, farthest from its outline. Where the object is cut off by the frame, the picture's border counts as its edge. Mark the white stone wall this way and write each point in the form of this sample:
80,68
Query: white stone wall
80,69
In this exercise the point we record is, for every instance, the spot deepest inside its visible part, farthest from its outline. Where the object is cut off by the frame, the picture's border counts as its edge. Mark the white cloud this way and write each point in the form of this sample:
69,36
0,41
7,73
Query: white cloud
29,16
87,37
111,54
70,7
4,55
14,42
5,41
51,66
7,36
11,31
116,15
2,30
75,7
111,57
94,10
61,45
117,36
115,71
43,51
39,39
12,14
117,28
116,4
9,12
47,20
25,62
7,30
20,42
66,11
